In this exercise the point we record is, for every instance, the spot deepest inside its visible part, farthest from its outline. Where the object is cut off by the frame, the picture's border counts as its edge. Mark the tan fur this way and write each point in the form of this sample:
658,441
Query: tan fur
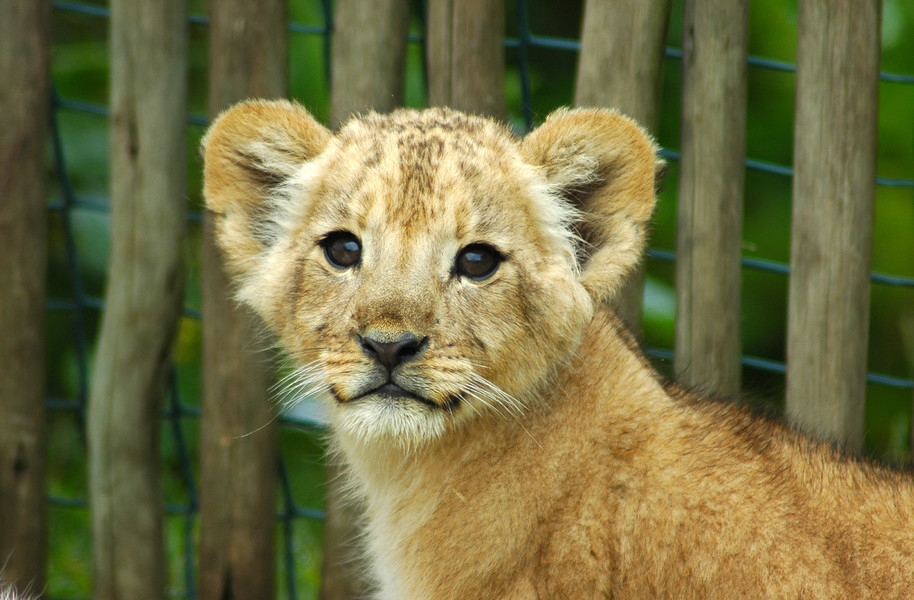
544,460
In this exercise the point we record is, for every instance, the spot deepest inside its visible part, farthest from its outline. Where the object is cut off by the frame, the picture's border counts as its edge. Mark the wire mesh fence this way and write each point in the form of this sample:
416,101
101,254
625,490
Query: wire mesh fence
79,213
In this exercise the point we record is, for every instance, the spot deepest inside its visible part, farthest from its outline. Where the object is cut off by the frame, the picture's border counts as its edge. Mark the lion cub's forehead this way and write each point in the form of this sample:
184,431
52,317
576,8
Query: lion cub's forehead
415,167
429,128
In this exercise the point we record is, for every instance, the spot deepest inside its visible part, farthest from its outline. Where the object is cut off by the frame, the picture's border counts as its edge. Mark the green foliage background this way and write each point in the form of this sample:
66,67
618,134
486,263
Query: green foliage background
80,72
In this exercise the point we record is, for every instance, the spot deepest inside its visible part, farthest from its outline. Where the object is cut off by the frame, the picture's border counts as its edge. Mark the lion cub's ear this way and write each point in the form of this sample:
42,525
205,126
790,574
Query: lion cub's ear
605,165
248,152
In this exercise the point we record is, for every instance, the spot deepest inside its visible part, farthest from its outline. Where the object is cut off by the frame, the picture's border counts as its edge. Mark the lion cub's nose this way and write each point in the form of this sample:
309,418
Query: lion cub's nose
391,354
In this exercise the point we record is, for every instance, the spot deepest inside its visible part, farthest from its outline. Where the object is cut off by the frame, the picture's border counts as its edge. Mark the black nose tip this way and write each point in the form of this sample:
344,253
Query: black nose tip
391,354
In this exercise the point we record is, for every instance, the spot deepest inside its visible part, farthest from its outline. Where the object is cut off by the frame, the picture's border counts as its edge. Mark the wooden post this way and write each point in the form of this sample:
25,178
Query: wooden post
711,174
369,47
144,296
343,574
239,445
25,105
620,65
466,55
833,190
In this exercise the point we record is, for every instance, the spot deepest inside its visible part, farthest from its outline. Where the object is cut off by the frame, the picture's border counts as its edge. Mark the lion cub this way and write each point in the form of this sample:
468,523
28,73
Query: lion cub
441,285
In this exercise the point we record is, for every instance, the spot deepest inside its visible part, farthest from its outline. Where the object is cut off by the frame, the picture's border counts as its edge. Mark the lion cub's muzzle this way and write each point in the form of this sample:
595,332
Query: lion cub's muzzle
390,352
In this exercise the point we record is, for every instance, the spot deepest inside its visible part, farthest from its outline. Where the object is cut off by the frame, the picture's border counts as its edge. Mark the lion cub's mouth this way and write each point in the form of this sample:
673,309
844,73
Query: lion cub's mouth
392,391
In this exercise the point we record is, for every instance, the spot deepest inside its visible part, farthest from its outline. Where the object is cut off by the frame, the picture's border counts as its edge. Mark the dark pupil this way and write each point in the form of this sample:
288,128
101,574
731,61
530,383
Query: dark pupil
344,250
477,262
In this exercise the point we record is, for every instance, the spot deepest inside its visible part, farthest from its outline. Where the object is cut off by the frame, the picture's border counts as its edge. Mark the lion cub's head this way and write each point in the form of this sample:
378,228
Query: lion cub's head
426,268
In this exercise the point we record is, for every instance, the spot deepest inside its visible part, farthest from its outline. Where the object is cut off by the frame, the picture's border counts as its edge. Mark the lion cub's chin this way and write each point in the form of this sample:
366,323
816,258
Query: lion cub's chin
384,420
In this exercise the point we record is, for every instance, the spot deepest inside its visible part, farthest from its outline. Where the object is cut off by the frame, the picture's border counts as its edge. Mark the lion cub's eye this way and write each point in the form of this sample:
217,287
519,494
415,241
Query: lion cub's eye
342,249
478,261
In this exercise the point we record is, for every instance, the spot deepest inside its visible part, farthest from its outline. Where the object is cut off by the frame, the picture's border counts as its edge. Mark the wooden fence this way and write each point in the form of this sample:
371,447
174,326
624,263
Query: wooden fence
620,62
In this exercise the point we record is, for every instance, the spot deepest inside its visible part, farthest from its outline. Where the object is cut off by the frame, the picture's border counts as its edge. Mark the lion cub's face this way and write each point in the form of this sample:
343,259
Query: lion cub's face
418,267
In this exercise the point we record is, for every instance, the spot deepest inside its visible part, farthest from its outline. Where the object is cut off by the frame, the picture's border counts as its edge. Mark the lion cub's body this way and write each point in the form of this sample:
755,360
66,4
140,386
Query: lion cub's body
621,491
440,284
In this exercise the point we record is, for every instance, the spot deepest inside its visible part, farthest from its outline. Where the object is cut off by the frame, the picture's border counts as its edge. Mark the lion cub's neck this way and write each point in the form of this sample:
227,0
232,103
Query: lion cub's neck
615,474
563,410
486,483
